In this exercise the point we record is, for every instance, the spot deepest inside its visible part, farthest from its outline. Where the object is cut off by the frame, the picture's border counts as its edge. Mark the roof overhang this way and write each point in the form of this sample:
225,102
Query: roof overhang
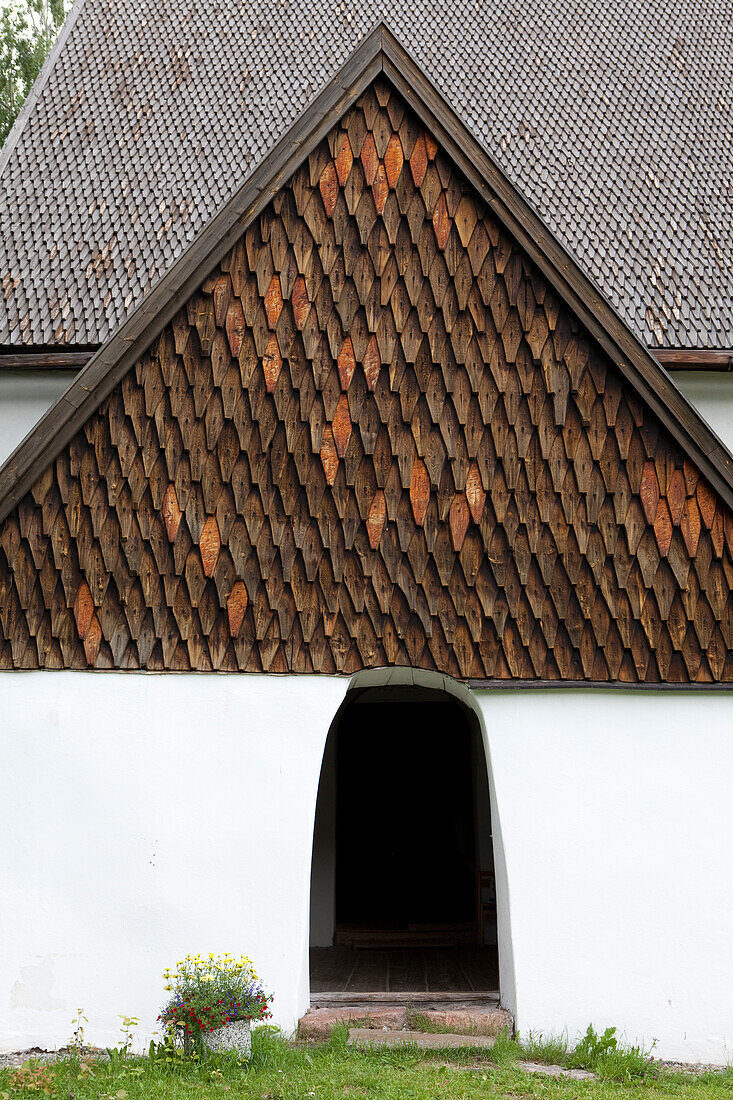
378,53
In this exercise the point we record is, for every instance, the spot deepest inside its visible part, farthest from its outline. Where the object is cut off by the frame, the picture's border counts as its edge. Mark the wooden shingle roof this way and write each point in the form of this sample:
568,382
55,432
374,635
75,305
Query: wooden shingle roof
613,120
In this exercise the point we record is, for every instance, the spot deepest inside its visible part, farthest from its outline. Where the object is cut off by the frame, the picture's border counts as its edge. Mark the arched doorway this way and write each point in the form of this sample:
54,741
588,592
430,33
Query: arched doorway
403,894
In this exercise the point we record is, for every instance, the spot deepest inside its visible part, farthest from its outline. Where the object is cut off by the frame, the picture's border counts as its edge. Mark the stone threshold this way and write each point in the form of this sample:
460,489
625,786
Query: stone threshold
485,997
470,1020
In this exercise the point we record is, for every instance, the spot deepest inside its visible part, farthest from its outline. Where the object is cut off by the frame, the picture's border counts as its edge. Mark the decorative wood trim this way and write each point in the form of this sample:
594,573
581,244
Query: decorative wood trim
379,52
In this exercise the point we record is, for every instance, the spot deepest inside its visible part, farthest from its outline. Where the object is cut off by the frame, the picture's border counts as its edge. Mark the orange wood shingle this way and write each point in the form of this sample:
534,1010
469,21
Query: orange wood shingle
209,545
346,363
236,607
393,160
273,301
344,159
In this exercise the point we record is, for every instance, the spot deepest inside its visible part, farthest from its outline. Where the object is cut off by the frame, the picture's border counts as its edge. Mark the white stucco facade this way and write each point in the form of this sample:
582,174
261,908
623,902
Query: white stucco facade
711,392
146,816
24,398
617,828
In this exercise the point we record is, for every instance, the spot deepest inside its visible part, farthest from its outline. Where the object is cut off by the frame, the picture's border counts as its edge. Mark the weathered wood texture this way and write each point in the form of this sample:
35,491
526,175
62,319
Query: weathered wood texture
374,436
45,360
702,359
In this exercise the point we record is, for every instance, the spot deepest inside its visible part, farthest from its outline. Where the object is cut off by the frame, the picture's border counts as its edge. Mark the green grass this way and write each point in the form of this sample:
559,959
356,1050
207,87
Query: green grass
602,1054
326,1071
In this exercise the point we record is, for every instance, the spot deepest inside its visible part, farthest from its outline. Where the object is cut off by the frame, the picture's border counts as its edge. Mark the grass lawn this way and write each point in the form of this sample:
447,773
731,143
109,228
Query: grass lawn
290,1071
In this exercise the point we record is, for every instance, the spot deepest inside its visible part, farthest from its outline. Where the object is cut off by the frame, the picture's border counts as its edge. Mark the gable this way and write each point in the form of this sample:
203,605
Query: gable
374,435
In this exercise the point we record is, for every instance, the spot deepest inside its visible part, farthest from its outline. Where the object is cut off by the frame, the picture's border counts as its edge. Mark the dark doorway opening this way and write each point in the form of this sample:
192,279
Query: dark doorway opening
405,843
402,884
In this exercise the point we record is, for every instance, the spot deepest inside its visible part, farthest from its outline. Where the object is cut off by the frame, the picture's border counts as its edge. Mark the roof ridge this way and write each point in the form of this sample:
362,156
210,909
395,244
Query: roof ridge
378,52
39,83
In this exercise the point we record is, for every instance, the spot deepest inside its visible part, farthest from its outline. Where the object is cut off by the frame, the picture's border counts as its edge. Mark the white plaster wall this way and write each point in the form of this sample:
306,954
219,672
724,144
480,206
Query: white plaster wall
617,830
143,817
146,816
24,398
711,392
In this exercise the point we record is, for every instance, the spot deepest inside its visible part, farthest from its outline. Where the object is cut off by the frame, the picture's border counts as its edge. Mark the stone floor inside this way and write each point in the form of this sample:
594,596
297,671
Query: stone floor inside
463,969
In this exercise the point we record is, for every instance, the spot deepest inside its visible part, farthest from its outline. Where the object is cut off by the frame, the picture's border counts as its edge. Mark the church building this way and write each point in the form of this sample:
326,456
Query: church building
366,530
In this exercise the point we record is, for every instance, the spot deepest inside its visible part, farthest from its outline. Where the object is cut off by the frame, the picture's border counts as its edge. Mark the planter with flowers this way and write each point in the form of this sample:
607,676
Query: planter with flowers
213,1003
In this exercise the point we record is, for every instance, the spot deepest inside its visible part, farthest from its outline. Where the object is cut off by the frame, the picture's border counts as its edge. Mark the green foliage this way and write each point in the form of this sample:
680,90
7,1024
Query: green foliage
118,1055
604,1055
76,1042
33,1077
27,32
505,1050
592,1047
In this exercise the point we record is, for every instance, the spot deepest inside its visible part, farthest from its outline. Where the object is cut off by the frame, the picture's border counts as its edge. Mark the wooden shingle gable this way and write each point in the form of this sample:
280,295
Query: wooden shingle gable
375,432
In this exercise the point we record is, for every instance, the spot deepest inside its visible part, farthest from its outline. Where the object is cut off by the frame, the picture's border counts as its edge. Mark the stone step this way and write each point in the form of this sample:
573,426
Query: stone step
556,1071
424,1040
471,1020
474,1020
318,1023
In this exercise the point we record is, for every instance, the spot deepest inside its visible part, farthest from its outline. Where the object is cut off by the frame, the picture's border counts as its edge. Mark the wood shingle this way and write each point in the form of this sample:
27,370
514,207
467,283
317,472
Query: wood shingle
374,435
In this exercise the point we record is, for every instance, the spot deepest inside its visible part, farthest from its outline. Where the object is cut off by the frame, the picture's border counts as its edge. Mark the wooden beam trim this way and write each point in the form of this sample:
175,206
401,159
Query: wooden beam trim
672,359
590,685
472,684
45,360
702,359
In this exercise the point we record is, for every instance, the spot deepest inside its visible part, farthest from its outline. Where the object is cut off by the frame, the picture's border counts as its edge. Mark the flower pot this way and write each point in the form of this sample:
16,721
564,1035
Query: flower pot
236,1038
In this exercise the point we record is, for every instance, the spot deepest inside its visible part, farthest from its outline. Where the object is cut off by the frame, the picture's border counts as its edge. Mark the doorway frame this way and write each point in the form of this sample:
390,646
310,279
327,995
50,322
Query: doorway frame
439,682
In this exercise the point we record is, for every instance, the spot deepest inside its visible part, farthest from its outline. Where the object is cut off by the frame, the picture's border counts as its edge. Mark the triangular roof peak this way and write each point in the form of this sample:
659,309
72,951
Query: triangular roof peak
379,53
